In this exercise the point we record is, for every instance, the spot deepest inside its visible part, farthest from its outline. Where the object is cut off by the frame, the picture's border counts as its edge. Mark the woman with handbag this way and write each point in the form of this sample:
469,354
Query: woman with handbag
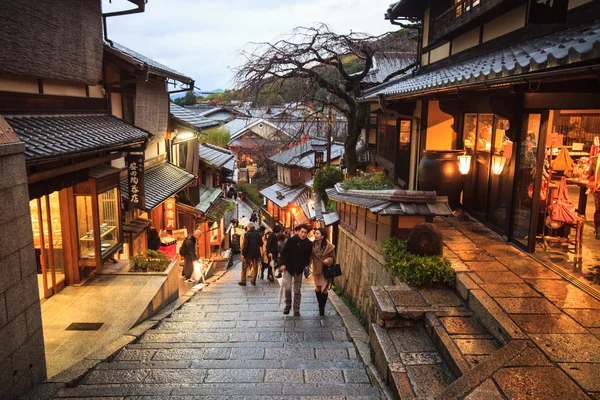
594,189
323,254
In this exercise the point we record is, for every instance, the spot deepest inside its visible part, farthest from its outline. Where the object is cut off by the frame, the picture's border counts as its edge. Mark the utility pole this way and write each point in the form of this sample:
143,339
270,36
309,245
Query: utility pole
329,126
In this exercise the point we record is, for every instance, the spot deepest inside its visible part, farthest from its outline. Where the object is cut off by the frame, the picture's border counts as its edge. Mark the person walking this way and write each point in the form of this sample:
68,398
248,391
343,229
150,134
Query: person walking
266,256
295,256
189,253
250,254
254,217
323,253
153,239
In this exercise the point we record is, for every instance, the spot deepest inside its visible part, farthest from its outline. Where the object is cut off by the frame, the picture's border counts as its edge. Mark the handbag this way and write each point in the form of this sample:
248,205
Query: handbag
332,271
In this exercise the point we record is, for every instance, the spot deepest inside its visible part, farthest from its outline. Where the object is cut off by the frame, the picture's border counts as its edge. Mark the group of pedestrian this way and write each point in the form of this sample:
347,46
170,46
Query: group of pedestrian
291,255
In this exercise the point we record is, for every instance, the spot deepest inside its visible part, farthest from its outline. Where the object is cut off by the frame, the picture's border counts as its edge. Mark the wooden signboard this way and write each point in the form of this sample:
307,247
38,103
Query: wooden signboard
135,179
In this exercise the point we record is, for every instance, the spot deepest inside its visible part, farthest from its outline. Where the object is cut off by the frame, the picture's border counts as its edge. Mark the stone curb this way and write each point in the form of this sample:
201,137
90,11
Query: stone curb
75,373
360,339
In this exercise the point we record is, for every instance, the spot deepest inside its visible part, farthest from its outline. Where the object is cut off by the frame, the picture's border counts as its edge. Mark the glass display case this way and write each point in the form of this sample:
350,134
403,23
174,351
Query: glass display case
108,229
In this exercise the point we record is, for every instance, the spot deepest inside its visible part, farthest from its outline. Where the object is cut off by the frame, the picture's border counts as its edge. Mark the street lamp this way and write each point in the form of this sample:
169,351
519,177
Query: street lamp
464,166
498,164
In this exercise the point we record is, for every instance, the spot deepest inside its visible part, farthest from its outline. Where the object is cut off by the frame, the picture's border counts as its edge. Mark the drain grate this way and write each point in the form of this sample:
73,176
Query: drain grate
85,326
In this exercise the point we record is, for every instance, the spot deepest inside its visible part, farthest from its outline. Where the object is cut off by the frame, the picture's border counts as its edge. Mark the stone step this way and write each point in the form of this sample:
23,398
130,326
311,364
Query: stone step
183,345
266,363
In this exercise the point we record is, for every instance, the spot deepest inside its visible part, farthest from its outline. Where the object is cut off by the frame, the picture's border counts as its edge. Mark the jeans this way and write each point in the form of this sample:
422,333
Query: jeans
188,267
252,264
297,284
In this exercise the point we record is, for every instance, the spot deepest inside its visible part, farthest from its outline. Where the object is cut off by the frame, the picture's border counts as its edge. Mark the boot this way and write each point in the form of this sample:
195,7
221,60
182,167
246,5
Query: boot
324,297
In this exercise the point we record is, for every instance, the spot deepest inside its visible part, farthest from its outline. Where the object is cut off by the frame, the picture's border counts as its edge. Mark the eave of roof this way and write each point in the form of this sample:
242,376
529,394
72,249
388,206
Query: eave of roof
190,118
214,155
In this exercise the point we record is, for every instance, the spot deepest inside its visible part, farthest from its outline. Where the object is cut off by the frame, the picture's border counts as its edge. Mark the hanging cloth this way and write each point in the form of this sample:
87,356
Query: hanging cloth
563,210
563,161
595,147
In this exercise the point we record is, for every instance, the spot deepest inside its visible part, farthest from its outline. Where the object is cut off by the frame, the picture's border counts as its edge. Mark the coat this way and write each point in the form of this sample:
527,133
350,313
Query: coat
328,257
264,250
188,249
296,254
252,244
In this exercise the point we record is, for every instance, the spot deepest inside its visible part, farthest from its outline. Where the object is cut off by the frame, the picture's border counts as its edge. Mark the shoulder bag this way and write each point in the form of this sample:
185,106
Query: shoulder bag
332,271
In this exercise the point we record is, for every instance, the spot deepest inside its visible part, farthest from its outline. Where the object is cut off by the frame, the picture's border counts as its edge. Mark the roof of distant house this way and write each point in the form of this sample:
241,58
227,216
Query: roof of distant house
283,195
191,118
217,156
558,49
154,66
303,155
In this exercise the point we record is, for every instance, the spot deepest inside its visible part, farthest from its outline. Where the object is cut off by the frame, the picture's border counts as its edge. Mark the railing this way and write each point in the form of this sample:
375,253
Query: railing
459,14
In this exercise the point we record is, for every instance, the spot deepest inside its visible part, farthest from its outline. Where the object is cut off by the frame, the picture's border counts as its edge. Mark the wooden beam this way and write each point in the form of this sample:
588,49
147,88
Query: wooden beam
28,103
41,175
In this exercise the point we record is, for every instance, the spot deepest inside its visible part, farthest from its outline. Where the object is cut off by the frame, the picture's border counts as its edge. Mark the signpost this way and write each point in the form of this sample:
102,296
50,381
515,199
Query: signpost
135,179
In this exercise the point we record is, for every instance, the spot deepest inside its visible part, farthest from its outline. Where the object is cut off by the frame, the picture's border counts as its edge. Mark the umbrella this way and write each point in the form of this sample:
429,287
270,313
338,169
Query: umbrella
281,282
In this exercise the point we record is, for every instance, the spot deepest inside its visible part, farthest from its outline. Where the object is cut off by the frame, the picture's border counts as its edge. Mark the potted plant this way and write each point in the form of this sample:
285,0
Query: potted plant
150,261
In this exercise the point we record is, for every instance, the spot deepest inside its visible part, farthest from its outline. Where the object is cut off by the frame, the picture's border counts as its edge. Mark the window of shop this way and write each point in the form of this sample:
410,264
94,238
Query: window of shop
48,243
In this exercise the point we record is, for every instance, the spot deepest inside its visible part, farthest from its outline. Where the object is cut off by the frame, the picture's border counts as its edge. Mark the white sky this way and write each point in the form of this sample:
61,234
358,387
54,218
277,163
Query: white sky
203,38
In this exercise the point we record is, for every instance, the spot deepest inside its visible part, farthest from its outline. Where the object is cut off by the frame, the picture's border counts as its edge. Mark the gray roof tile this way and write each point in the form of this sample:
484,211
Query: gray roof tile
303,155
52,136
557,49
217,156
208,196
160,182
386,64
192,118
283,195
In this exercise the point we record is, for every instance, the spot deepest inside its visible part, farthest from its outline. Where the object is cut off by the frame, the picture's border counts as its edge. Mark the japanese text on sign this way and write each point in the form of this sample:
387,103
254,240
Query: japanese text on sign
170,214
135,180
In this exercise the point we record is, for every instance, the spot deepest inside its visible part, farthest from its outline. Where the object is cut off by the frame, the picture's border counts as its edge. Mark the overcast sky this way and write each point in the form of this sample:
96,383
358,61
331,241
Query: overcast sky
203,38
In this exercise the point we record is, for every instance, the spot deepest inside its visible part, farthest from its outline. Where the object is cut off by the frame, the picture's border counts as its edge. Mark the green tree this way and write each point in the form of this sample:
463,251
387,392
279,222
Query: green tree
188,100
218,136
326,178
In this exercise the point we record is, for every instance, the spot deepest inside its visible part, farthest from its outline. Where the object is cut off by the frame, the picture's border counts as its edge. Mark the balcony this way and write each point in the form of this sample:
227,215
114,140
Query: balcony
461,15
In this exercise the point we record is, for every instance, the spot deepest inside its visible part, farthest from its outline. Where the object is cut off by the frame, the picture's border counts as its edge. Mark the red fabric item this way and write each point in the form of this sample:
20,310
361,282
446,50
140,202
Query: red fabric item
564,210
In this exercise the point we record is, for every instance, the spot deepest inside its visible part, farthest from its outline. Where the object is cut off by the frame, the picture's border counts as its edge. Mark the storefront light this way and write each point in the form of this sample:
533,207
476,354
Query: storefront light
464,164
185,135
498,164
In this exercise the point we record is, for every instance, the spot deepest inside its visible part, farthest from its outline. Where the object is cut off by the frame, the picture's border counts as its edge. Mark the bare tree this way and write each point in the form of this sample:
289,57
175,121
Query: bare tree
318,57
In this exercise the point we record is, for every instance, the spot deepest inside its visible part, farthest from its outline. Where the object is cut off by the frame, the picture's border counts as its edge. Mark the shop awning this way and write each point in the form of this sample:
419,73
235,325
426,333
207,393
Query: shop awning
559,49
208,196
160,182
283,195
219,208
55,136
393,202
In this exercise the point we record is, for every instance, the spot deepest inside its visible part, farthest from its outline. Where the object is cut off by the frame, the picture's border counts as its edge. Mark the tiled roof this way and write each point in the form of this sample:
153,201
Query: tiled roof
154,66
283,195
52,136
215,155
303,155
394,202
208,196
386,64
192,118
160,182
557,49
219,208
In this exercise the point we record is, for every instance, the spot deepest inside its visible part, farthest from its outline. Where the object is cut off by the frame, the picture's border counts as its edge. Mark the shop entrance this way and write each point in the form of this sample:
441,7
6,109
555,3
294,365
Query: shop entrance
48,243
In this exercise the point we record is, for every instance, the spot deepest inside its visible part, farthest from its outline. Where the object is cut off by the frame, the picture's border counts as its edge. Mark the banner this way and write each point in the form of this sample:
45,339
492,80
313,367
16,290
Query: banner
135,180
170,214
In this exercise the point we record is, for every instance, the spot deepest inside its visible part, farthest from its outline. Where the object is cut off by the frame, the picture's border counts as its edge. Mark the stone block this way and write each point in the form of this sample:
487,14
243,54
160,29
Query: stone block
20,296
464,284
28,260
20,197
28,354
3,317
542,382
429,380
10,272
495,320
15,235
401,386
12,336
6,376
486,391
33,314
7,211
13,170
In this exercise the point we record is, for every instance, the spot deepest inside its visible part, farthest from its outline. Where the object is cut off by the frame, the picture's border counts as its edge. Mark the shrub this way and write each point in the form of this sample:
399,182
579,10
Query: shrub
376,181
325,178
218,136
416,270
150,261
252,191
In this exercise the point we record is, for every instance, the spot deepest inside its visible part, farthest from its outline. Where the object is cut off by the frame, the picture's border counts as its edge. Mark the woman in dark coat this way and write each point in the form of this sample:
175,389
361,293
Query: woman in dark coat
153,239
323,253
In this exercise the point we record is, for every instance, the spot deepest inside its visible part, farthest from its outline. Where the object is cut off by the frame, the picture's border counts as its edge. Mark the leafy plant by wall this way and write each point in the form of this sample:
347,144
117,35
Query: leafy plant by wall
376,181
416,270
150,261
326,178
218,136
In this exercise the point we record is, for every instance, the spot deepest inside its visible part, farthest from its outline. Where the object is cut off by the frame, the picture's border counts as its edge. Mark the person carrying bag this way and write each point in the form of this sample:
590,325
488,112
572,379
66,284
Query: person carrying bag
322,257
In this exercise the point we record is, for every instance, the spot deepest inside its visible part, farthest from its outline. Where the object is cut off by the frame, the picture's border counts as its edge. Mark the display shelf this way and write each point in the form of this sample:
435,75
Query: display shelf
106,232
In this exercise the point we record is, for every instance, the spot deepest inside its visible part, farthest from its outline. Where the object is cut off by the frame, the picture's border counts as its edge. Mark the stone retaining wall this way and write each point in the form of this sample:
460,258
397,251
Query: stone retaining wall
22,360
362,267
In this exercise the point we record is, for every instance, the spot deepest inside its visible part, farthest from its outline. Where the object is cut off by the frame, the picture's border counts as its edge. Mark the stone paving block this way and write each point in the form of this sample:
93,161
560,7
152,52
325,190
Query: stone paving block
340,336
307,323
284,376
538,382
401,385
486,391
246,324
473,256
527,268
509,290
243,337
245,353
285,353
477,266
174,376
429,380
228,390
499,277
116,376
356,376
462,326
530,357
423,358
476,346
527,306
564,294
216,353
322,335
135,355
406,298
441,297
151,337
547,323
281,336
587,318
207,337
586,375
178,354
330,354
145,365
237,364
271,323
235,375
411,339
323,376
569,347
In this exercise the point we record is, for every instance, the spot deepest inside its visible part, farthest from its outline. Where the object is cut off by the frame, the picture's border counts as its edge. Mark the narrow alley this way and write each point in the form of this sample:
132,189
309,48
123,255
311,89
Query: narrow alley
234,342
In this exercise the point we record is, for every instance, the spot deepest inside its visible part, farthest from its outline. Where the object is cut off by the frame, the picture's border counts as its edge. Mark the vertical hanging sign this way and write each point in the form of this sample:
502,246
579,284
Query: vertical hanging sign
135,179
170,214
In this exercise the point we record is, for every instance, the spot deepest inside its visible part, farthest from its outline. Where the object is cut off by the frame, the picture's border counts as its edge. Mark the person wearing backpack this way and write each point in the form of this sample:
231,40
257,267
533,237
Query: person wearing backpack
250,254
189,254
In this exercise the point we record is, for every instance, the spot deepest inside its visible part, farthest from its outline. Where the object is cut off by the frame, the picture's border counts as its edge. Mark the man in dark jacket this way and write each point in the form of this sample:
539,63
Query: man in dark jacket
294,257
250,254
189,254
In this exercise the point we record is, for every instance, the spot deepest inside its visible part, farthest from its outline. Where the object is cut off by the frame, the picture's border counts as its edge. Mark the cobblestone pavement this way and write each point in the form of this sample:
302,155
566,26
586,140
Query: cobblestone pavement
233,342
